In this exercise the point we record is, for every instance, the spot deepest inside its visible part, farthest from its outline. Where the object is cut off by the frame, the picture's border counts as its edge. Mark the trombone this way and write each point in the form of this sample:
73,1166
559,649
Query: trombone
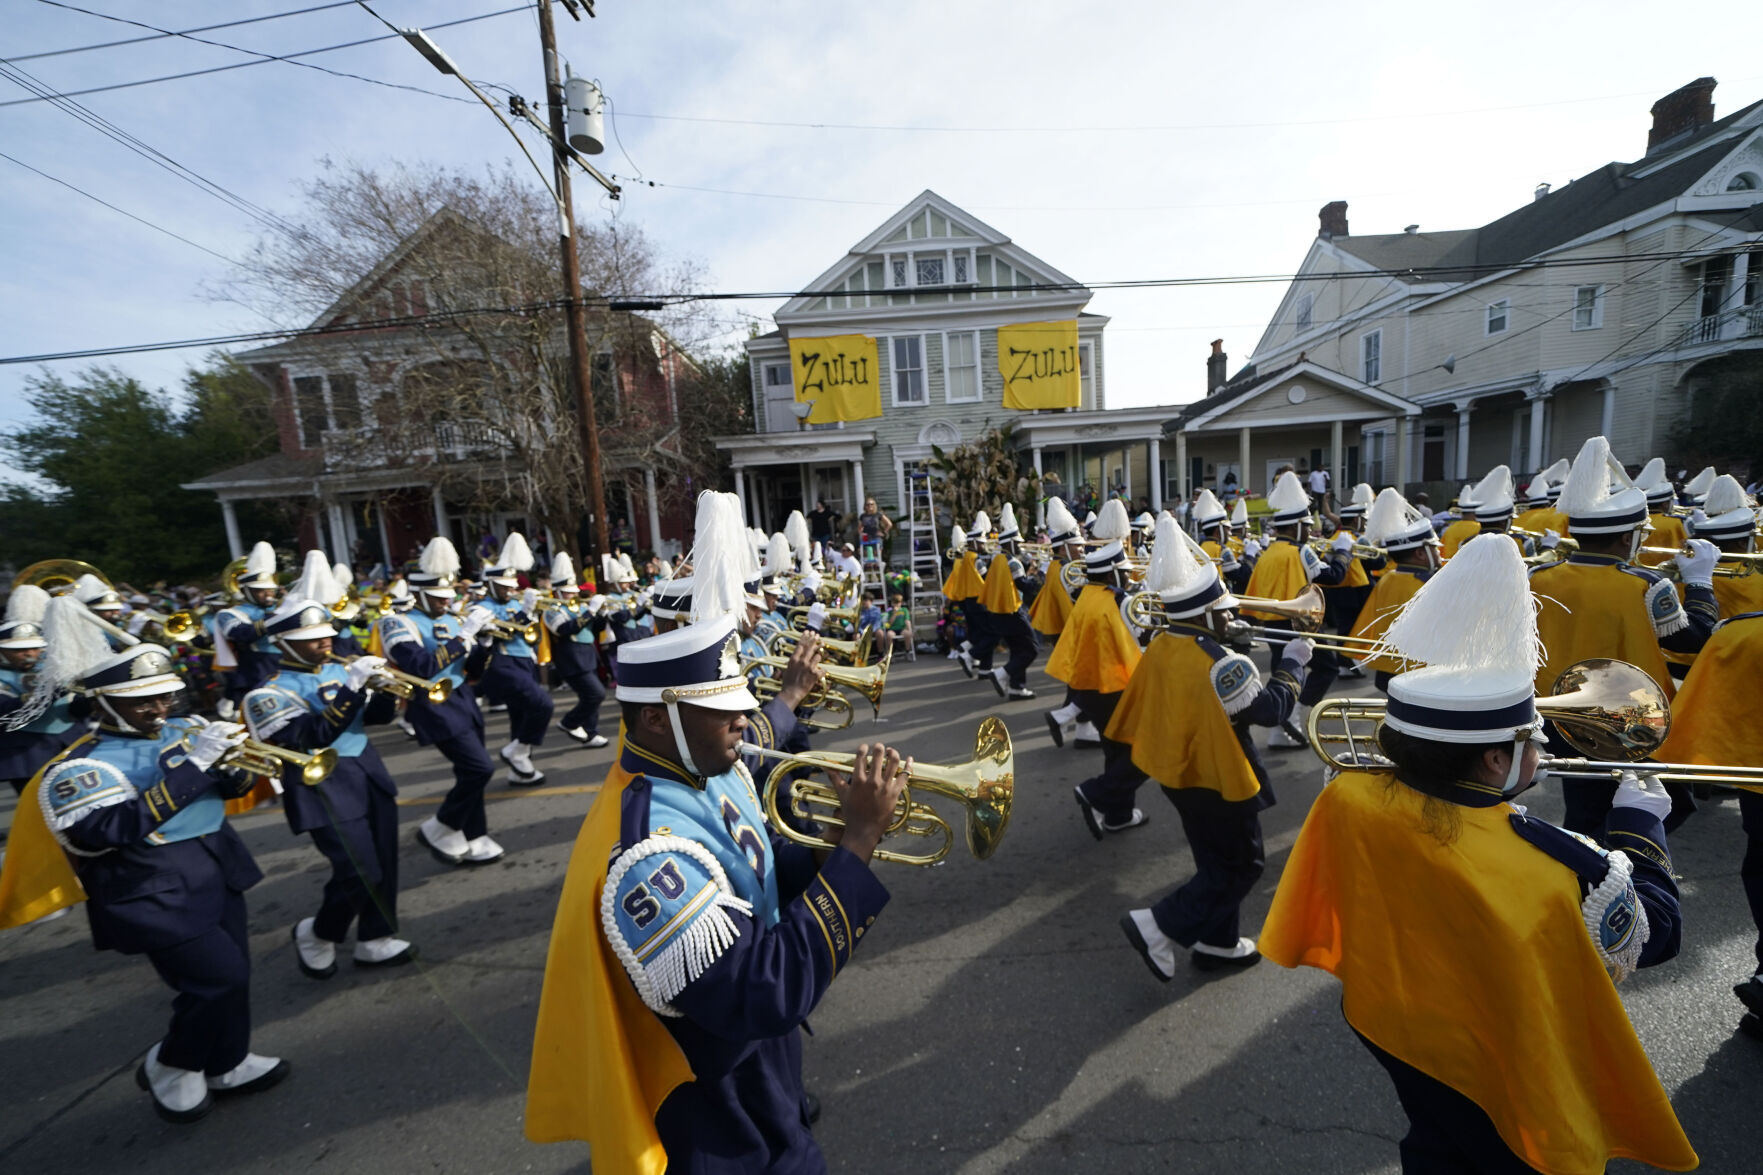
1075,574
984,785
1611,712
404,685
1145,610
1732,564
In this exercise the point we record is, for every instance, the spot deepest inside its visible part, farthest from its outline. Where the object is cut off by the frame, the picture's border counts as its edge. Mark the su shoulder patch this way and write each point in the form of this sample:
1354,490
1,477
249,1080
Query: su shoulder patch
665,912
1664,609
1311,560
75,789
268,709
1610,905
1235,681
395,630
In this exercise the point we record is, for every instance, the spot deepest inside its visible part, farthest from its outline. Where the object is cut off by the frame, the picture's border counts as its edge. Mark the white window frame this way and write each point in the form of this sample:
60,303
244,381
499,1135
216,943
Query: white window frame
941,256
979,390
1503,310
1086,373
1304,313
910,258
1369,341
1597,316
894,373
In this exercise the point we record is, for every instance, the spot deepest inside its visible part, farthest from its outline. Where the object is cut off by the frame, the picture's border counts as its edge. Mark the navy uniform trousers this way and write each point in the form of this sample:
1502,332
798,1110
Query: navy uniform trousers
363,852
1019,636
514,682
1111,792
456,729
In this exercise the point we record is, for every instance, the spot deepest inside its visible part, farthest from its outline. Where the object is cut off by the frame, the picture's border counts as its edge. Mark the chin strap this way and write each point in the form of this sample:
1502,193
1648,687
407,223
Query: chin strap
679,737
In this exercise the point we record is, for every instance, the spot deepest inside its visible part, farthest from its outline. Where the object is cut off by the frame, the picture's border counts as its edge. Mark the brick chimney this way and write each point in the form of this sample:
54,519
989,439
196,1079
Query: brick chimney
1681,111
1215,362
1334,220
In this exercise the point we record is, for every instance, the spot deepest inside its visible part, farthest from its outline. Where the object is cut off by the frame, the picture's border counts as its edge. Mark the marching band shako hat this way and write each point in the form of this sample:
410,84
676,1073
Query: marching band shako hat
259,567
1089,520
1008,531
694,665
671,599
514,558
1112,522
21,634
1730,513
97,595
1144,521
1598,497
1473,626
1492,496
1656,484
957,538
1239,515
1183,575
439,569
1697,487
23,628
1545,487
1061,526
1360,502
299,619
563,575
1289,501
1394,525
1209,511
139,671
1102,561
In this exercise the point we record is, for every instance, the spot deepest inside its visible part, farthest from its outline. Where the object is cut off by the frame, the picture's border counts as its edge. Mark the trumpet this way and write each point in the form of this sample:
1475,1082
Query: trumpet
822,699
984,785
1732,564
1325,548
856,653
405,685
869,681
1611,712
177,626
509,630
798,616
266,759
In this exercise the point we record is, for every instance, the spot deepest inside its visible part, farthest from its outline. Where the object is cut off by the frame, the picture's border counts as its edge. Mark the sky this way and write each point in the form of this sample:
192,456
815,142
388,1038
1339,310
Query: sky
1114,140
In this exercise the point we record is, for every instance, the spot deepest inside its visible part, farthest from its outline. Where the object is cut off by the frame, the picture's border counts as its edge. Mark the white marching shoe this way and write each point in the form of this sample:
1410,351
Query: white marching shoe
1087,735
388,951
448,844
522,773
1000,682
481,850
1210,958
179,1095
251,1075
1286,735
403,724
1060,718
317,957
1155,947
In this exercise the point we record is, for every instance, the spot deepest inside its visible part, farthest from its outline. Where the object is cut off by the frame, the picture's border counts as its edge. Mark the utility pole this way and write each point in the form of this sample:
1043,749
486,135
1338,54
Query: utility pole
572,282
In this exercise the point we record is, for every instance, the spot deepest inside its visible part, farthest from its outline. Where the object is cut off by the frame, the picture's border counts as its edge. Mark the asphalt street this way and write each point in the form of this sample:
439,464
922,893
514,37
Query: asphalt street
993,1020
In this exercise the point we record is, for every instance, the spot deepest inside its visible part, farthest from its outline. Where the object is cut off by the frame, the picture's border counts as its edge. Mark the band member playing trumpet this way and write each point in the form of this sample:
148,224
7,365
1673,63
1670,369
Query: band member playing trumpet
25,748
1006,618
1186,714
1458,925
1596,603
1096,656
1053,604
575,637
140,811
511,674
1668,528
1413,548
1286,568
352,815
241,625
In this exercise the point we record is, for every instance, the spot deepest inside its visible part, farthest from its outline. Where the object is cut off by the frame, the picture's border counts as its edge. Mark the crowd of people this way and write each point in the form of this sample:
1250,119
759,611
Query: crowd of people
695,935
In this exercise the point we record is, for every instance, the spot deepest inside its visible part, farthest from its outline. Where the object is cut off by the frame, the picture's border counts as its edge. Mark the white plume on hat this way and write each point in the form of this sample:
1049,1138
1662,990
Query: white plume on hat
982,524
1174,567
316,585
1112,523
1391,517
1059,519
1364,496
957,537
515,554
1475,613
27,604
399,589
1007,519
777,556
609,569
89,587
796,531
626,572
1542,483
722,558
1595,474
1698,486
1652,479
1208,510
343,576
75,645
1494,491
1090,519
1239,514
440,558
1289,495
261,560
1725,494
1164,513
562,569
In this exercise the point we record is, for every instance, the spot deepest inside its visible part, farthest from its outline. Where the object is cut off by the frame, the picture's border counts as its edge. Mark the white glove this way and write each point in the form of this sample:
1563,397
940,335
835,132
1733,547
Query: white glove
1342,544
1251,549
596,604
1643,792
474,623
1696,564
816,615
1298,652
363,670
1697,519
213,742
1551,539
529,600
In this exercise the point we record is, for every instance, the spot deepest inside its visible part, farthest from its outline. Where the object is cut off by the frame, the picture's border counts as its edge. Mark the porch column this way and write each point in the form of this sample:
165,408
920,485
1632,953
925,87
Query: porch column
1181,467
438,501
807,488
230,516
1337,460
1243,462
654,505
1733,325
1607,423
741,493
1402,455
1126,476
1464,408
1041,499
339,528
379,505
1539,401
857,494
1154,447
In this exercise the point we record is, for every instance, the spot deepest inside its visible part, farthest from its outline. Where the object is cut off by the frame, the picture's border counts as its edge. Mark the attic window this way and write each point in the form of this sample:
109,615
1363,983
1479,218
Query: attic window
930,271
1744,181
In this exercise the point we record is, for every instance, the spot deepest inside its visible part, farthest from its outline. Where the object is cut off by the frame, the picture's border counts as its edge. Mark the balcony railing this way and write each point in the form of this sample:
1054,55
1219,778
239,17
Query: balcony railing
446,440
1740,323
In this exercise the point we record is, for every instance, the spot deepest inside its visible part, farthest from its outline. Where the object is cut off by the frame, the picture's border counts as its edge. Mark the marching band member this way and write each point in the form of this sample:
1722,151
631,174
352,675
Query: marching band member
671,603
1668,529
1695,490
1096,656
346,613
962,589
1344,600
33,742
1186,714
1494,504
1596,603
1053,604
1458,925
312,702
140,810
1465,527
982,642
1212,523
1413,548
1284,569
1006,618
511,675
430,642
1239,528
1540,497
575,635
241,625
1729,521
776,565
1714,721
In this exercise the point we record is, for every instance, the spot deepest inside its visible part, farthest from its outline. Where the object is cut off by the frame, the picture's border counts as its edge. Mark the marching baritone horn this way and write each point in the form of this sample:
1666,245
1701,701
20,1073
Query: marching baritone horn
57,576
404,685
783,644
868,681
984,785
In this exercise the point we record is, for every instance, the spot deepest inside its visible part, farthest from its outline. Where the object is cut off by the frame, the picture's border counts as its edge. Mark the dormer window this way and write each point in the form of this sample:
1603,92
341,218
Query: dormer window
929,271
930,268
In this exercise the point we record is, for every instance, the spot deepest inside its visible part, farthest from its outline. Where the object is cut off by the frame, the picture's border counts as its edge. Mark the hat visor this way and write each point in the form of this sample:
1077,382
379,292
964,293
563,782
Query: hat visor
259,581
711,695
25,642
311,632
504,580
440,593
146,687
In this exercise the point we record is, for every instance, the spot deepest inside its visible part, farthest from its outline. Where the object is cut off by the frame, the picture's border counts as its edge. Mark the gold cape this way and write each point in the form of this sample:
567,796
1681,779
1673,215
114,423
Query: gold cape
1714,719
1052,604
964,582
1394,589
1456,534
1095,652
1595,610
1278,575
999,595
1179,732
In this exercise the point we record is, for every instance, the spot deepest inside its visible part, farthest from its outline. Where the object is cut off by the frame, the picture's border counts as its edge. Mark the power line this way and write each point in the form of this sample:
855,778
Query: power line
172,77
123,211
161,35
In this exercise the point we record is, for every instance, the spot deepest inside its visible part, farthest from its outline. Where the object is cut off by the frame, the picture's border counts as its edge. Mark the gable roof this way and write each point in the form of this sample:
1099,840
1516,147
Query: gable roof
1250,383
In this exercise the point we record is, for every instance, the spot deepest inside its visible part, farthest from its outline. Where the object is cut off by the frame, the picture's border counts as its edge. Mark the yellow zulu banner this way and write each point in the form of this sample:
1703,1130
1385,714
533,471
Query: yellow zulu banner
839,375
1038,361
